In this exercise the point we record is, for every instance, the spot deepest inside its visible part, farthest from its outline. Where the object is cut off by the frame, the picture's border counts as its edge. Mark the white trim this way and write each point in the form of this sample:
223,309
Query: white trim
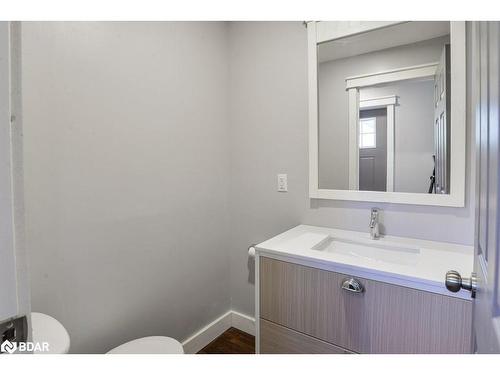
444,200
313,106
393,75
243,322
211,331
456,198
329,30
257,302
458,112
353,139
207,334
390,110
382,101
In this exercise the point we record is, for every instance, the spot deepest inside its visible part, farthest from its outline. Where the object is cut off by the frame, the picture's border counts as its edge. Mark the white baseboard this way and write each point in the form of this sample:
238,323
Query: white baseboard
207,334
213,330
243,322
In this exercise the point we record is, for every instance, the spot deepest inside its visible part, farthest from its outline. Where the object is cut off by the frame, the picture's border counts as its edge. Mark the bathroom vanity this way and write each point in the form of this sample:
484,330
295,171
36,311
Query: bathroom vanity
323,290
386,124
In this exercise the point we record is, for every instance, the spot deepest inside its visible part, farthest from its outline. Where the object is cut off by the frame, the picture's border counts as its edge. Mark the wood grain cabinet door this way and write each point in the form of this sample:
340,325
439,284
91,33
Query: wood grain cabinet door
385,318
277,339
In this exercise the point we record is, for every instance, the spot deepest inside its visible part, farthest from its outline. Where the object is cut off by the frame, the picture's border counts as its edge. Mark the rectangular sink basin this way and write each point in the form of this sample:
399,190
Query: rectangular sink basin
370,250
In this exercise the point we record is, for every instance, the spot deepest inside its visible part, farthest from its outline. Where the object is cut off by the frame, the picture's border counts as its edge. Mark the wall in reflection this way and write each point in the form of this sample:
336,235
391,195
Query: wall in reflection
413,135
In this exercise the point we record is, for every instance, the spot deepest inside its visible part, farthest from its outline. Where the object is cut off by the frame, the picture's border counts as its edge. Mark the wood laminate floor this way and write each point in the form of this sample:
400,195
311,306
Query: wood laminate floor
233,341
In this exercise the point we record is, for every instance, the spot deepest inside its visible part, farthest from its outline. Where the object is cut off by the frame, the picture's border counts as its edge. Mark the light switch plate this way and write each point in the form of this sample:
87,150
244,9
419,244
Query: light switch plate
282,182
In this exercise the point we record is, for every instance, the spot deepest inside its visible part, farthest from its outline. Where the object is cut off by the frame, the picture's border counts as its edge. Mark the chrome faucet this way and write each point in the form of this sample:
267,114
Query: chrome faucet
374,231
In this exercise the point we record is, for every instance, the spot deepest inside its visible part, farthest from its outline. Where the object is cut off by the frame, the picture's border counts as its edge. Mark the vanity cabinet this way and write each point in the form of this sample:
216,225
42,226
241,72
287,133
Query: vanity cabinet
277,339
305,310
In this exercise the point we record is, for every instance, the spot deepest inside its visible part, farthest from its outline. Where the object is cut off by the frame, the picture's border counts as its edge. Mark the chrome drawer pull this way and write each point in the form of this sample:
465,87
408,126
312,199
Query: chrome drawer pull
352,285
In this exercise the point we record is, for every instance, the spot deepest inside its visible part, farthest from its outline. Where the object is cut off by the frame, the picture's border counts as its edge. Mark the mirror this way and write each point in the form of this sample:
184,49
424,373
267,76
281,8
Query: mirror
384,110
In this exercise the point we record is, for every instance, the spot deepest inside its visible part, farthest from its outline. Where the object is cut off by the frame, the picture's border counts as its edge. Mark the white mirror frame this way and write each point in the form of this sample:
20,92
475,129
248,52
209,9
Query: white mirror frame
319,32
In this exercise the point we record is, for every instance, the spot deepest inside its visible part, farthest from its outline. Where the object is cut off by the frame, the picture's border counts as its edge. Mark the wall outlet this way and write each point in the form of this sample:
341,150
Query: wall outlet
282,182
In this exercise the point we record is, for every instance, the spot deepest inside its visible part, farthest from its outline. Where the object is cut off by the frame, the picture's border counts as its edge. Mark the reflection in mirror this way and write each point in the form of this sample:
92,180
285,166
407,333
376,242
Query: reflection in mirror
384,110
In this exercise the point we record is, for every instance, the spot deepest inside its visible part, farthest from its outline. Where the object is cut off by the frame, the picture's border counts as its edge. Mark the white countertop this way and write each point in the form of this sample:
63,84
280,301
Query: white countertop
430,260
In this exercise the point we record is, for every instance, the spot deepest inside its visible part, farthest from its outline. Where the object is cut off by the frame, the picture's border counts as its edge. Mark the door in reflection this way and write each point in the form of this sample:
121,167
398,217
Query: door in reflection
373,149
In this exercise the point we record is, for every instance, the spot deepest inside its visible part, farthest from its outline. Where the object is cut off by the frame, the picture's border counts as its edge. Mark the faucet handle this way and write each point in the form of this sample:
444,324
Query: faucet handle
374,229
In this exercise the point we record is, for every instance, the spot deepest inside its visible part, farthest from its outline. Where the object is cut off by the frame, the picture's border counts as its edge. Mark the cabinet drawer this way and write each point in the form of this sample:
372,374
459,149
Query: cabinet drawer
276,339
385,318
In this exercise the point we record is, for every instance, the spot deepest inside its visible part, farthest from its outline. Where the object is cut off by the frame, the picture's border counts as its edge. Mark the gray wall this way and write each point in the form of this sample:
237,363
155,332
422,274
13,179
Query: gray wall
269,136
126,144
334,105
413,132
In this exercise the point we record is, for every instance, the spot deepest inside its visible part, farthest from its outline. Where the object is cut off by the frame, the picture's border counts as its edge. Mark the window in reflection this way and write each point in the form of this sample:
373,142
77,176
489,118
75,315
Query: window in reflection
368,132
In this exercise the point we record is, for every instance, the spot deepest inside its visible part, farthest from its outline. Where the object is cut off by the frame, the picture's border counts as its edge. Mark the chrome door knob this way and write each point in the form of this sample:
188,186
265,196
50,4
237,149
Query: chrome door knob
454,282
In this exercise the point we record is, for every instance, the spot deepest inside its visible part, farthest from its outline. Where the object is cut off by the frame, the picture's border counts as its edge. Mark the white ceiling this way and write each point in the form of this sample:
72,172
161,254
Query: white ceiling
392,36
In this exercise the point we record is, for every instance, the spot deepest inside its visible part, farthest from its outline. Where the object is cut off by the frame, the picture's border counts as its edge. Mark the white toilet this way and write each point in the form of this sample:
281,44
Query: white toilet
46,329
150,345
